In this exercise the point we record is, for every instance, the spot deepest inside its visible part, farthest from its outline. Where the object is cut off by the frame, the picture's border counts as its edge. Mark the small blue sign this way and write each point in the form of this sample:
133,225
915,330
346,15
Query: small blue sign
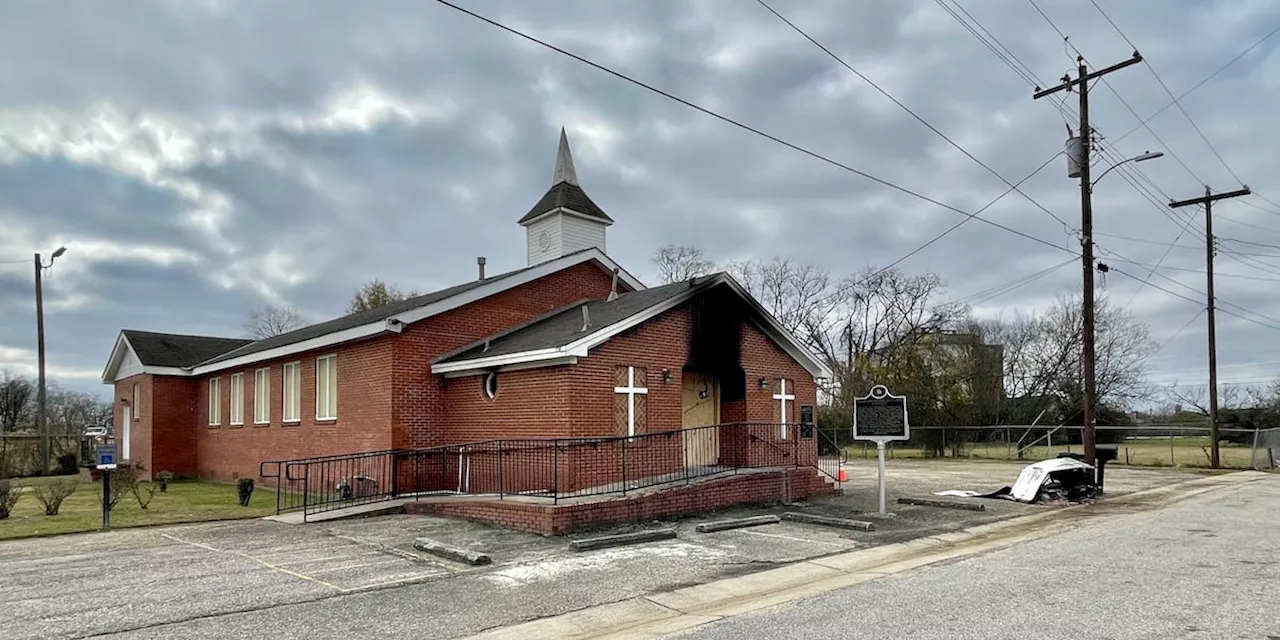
106,454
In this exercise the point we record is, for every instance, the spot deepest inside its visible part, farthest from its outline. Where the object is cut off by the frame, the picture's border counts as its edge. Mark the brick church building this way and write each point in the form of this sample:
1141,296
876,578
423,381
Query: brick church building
568,346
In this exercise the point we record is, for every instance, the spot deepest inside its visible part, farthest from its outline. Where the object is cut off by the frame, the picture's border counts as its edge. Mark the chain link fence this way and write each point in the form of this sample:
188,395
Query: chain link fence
1139,445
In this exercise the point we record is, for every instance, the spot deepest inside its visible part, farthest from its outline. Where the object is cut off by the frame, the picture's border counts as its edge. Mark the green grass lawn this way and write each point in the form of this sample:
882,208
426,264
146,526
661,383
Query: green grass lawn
186,501
1156,452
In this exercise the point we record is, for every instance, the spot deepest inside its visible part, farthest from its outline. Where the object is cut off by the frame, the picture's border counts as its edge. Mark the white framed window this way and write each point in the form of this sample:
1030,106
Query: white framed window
327,387
215,402
291,410
237,399
137,401
262,396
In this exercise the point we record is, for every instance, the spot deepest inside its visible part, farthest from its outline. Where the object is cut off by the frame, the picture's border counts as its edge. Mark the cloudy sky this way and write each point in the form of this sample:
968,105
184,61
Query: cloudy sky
202,158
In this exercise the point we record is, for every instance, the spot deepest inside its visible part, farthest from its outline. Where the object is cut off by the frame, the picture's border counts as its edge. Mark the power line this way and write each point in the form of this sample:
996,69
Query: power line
1256,244
999,290
1180,330
1145,241
1197,85
904,107
1247,224
1201,271
1259,207
1226,311
1164,86
740,125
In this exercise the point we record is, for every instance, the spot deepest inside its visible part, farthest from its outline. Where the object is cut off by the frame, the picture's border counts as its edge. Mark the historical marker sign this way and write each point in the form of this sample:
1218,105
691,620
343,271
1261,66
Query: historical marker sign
880,416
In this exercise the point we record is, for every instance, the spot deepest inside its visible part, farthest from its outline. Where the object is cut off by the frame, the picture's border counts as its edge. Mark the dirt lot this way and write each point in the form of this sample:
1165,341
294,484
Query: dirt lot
362,578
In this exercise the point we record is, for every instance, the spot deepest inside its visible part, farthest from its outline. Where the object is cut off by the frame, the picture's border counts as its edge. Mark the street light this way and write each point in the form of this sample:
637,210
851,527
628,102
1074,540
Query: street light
41,423
1079,163
1143,157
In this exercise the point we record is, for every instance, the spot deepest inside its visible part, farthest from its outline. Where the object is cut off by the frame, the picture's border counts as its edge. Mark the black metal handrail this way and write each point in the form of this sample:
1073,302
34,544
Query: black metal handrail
555,468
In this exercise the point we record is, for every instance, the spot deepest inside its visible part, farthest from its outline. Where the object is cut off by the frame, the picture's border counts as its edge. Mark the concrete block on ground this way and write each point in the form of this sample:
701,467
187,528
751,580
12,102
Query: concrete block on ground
843,523
736,523
943,504
440,550
621,539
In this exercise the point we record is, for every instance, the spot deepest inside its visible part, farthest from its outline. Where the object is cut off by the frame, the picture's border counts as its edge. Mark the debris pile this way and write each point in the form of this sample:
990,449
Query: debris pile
1053,481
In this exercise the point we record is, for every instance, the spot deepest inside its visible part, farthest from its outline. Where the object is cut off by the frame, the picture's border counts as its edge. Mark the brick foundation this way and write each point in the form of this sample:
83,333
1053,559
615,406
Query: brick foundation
700,497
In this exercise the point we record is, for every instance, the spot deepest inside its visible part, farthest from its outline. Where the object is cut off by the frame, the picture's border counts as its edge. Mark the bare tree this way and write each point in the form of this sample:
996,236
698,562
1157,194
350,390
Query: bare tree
790,291
16,394
272,321
1044,354
677,263
374,294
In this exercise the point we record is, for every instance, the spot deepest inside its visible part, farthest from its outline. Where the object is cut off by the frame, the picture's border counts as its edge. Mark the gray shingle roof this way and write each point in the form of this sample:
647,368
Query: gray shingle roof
176,350
567,195
564,326
355,319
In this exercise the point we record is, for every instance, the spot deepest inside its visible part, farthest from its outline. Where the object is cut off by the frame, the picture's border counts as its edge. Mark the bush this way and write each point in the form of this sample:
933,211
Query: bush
123,482
164,477
244,487
51,494
68,464
144,492
9,493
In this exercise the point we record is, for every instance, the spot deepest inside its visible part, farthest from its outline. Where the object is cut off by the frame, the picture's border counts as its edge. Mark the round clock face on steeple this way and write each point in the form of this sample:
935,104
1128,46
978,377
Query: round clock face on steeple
544,241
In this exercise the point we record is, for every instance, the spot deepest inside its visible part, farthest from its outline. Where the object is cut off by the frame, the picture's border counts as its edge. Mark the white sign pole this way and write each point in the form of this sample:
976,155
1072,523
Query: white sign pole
880,460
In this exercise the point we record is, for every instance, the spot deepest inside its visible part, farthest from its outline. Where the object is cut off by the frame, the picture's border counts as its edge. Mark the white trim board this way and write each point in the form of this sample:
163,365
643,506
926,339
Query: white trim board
395,323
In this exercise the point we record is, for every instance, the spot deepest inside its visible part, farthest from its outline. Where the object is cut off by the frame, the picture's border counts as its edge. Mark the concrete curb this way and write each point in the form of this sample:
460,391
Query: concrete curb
473,558
943,504
658,614
621,539
843,523
725,525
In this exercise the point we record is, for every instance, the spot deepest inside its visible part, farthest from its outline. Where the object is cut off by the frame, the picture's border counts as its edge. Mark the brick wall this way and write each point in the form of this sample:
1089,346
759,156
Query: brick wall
227,451
140,424
420,411
792,484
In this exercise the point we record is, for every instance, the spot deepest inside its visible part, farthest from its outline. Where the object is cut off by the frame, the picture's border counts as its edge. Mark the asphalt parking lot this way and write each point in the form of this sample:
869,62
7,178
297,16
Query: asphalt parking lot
363,578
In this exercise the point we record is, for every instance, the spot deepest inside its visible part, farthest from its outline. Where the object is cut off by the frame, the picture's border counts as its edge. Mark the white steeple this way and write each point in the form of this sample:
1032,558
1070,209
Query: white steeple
564,220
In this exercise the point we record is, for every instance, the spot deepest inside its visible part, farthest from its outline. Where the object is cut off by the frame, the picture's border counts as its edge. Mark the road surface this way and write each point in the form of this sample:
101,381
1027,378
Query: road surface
1207,567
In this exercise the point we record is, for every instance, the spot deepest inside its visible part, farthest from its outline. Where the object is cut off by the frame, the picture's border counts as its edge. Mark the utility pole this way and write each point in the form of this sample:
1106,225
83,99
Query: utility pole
1207,200
41,427
1086,229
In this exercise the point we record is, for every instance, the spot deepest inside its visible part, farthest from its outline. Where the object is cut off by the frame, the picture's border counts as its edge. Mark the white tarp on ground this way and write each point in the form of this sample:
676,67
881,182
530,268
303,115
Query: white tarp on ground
1033,476
1029,483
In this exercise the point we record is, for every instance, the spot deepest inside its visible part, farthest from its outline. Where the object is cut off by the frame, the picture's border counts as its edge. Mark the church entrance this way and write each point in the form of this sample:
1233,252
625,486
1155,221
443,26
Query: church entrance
700,402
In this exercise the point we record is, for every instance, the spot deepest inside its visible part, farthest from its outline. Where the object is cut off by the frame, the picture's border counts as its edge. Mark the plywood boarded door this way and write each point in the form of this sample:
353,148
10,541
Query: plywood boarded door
700,401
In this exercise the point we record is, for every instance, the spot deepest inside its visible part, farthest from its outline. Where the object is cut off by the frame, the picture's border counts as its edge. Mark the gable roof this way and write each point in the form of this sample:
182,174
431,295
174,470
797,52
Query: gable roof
559,337
222,353
564,325
177,350
570,197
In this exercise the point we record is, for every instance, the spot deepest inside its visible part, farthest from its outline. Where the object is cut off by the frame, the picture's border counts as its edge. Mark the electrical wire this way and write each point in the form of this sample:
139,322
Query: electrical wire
1226,311
913,114
987,295
1207,78
1249,242
1177,333
1164,86
740,125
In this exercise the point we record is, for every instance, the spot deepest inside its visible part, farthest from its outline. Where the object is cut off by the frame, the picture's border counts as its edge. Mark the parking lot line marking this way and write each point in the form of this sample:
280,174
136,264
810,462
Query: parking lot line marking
328,558
194,544
356,566
286,571
391,583
792,538
296,552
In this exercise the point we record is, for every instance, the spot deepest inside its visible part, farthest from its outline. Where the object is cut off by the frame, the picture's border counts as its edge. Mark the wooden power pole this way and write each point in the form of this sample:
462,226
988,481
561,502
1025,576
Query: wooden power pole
1207,200
1081,160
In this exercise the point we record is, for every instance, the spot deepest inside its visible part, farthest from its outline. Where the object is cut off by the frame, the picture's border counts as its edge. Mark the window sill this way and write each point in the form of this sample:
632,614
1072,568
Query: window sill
237,425
262,424
216,426
292,423
326,420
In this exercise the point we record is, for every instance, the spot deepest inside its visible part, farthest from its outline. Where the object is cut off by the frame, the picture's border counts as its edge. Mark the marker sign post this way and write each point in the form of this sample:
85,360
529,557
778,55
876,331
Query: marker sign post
106,463
880,417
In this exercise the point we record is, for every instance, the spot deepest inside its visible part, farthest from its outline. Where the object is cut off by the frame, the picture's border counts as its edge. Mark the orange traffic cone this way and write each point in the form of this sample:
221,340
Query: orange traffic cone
843,475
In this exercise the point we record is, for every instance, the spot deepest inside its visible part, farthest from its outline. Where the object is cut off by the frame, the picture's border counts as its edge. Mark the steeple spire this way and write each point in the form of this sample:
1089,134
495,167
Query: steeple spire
564,163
